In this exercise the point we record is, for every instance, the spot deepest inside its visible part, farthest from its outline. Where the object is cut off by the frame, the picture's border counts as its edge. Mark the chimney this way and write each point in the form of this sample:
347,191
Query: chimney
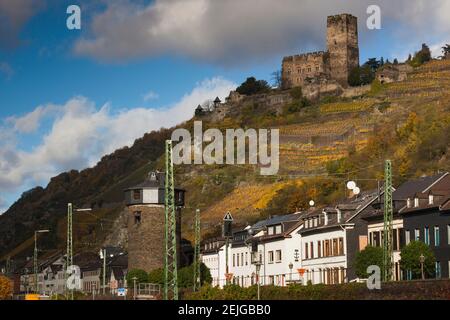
339,215
325,218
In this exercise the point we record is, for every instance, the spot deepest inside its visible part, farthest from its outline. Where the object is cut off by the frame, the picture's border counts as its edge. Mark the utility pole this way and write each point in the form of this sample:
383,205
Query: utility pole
104,272
35,260
227,233
197,263
170,225
69,252
388,217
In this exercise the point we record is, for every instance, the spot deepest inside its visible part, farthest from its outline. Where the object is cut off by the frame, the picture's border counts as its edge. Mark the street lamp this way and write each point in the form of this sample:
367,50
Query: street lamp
258,268
69,258
422,261
134,289
290,268
36,257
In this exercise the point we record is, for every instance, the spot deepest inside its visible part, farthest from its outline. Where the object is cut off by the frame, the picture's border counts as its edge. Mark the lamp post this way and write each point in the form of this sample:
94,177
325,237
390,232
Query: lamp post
258,268
134,288
36,258
69,252
422,261
102,254
290,269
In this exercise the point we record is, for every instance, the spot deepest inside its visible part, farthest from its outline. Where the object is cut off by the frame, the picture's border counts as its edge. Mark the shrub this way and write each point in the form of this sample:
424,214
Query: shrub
5,288
367,257
141,276
156,276
410,259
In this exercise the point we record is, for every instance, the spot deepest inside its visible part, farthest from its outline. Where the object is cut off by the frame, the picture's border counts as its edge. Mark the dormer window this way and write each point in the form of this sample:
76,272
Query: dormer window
416,202
136,194
278,229
270,231
430,199
408,203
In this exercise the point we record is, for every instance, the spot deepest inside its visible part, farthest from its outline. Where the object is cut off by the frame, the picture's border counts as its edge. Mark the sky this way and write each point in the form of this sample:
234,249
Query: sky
68,97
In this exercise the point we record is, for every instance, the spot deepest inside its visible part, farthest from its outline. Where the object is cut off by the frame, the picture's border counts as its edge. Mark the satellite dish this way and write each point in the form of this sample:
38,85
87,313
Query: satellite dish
351,185
311,203
356,190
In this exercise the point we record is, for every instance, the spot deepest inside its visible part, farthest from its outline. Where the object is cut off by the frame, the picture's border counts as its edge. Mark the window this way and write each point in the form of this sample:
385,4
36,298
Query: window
270,256
437,236
426,235
376,239
278,252
430,199
335,247
395,239
242,259
234,260
448,237
417,235
438,270
327,248
137,217
237,260
341,246
270,231
312,250
306,251
319,249
401,236
136,194
246,258
407,237
416,202
278,229
296,255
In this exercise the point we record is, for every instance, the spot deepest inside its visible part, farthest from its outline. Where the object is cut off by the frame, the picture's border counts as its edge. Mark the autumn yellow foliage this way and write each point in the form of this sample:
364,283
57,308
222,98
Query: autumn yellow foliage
5,288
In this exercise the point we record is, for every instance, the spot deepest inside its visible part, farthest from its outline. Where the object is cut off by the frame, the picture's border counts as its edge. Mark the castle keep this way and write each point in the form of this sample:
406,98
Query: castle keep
335,64
145,205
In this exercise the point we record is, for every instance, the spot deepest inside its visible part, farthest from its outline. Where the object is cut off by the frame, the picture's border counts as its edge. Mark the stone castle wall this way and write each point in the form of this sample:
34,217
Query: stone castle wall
146,239
342,44
296,69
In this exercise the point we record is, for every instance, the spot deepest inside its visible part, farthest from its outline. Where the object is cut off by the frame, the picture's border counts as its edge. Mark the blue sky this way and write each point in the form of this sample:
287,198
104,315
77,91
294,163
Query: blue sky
139,65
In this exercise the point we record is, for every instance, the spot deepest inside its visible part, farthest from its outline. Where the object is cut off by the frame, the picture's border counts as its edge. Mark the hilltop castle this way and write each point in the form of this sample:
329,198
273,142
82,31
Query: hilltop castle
335,64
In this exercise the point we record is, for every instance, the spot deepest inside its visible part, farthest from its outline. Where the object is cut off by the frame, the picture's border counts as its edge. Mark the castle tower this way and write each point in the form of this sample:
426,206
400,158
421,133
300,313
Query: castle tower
145,205
342,43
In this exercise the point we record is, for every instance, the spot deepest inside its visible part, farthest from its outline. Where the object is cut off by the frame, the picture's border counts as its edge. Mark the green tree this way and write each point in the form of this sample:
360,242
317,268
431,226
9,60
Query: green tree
156,276
421,56
410,259
368,257
252,86
186,276
141,276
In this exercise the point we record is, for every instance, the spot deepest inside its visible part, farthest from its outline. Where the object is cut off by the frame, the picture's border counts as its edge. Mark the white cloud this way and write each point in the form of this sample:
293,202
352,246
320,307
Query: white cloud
150,96
31,121
238,31
82,133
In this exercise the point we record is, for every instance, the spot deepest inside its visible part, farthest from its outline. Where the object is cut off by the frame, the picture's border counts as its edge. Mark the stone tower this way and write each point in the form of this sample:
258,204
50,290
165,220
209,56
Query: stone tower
145,205
342,43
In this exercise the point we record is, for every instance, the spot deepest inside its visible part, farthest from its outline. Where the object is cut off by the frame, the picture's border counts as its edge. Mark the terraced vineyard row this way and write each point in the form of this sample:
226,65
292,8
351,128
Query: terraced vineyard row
343,107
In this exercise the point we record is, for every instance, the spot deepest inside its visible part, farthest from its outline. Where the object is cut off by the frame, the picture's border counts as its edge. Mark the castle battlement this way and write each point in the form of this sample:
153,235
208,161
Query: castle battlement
304,56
